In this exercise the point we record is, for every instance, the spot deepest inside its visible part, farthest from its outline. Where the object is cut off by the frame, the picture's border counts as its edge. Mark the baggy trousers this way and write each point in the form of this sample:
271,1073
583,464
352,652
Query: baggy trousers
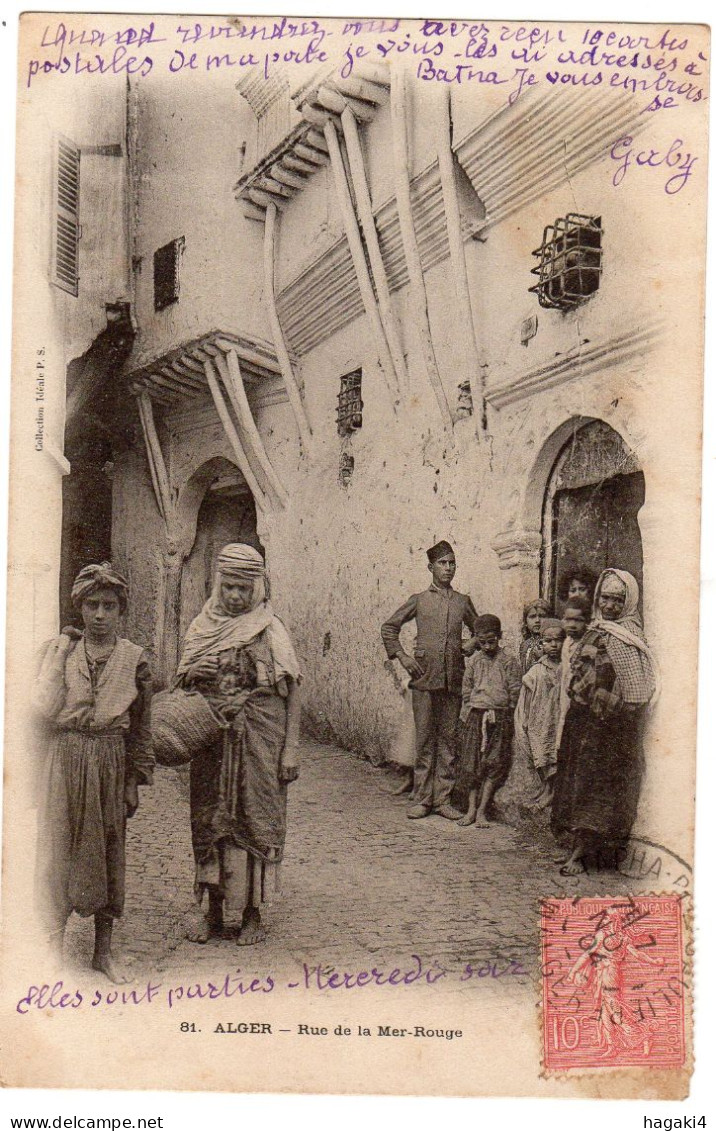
436,714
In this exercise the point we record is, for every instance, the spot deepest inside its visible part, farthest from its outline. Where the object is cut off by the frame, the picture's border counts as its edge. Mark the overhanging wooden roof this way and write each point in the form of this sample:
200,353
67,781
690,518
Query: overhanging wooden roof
178,375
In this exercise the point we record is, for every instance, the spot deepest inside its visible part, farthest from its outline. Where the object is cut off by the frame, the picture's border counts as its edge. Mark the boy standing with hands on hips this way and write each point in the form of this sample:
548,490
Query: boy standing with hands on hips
436,669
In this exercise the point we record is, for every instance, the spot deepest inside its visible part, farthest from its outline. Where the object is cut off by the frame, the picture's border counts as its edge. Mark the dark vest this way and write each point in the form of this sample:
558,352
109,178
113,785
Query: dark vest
440,617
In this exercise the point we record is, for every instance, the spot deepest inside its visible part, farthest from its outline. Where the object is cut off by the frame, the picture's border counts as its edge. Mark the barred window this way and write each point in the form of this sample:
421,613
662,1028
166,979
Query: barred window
66,219
166,273
570,262
349,416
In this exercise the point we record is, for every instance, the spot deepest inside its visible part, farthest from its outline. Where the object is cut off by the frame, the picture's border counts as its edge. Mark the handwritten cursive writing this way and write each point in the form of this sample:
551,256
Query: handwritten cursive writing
674,158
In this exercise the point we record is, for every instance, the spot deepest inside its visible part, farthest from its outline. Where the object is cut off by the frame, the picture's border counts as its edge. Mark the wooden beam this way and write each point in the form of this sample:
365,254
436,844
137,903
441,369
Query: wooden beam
231,374
370,235
418,293
187,375
190,364
315,115
155,457
267,184
358,256
315,156
250,355
457,247
365,89
289,379
233,436
331,99
253,211
291,161
263,199
317,140
286,177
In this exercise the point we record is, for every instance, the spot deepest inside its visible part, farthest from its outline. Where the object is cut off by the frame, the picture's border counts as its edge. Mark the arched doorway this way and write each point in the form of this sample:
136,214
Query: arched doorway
227,513
591,505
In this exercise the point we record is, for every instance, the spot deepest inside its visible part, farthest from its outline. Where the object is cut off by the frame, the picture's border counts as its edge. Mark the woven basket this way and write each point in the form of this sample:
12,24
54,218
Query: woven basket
183,726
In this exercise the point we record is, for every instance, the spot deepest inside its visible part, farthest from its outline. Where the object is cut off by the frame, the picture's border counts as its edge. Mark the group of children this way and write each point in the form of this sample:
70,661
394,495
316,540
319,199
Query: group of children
511,710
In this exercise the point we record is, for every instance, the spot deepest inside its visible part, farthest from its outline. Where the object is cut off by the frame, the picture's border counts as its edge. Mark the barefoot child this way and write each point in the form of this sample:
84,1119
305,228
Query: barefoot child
537,717
489,692
94,690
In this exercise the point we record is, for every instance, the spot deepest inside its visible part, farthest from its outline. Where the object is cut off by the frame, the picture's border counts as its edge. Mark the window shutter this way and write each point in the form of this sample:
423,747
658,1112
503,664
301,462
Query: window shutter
66,227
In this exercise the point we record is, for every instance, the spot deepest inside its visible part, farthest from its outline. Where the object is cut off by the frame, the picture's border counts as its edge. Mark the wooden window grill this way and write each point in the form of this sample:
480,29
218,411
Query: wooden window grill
166,273
66,228
349,416
570,262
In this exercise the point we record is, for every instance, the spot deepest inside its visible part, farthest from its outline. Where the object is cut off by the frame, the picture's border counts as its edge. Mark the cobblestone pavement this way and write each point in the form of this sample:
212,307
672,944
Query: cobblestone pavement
360,882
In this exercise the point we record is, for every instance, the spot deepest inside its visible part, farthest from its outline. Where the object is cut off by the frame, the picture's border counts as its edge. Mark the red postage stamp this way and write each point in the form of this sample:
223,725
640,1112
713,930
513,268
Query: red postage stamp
613,988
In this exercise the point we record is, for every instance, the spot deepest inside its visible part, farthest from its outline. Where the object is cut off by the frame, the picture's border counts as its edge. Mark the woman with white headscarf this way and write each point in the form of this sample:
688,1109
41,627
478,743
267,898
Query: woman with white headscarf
238,654
601,761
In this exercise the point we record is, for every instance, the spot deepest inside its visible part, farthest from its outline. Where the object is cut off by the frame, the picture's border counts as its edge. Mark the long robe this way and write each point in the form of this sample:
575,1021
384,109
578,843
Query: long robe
98,714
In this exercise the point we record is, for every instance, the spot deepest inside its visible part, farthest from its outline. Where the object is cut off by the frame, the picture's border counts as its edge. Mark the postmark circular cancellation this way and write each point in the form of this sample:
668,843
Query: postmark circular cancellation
615,982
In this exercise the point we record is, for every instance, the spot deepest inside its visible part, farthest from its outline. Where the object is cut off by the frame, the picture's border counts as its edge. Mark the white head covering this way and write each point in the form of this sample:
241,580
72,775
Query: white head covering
633,660
214,630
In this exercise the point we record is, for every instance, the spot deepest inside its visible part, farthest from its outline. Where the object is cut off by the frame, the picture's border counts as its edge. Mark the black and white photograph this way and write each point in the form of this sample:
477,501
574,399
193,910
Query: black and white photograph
353,557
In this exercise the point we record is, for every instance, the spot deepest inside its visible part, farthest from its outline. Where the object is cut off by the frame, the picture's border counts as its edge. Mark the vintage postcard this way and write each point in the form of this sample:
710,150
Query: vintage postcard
353,580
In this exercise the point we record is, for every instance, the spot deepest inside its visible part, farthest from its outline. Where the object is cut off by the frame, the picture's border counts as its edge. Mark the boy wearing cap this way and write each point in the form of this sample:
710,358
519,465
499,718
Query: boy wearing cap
436,670
489,694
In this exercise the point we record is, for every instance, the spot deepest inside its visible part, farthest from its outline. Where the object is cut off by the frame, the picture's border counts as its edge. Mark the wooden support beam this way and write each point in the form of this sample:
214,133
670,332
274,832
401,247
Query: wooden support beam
174,384
250,356
286,177
336,101
370,235
267,184
155,458
189,364
358,256
331,100
263,199
314,115
457,247
368,91
187,374
289,378
233,436
317,140
252,211
159,395
308,153
234,383
291,161
418,293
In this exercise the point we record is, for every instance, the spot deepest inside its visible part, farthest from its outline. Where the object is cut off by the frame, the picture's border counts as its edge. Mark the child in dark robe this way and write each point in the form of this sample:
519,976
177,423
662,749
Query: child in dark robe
575,619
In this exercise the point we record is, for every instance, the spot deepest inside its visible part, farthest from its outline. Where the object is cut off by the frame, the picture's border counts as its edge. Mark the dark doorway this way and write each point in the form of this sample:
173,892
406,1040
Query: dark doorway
592,504
86,513
227,514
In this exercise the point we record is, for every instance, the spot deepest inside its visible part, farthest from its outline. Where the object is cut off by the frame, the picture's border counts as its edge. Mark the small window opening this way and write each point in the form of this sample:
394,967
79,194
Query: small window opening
570,262
346,467
166,273
349,416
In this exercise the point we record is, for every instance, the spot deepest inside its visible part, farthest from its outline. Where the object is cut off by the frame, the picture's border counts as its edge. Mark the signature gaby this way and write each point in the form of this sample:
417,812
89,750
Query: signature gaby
674,158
